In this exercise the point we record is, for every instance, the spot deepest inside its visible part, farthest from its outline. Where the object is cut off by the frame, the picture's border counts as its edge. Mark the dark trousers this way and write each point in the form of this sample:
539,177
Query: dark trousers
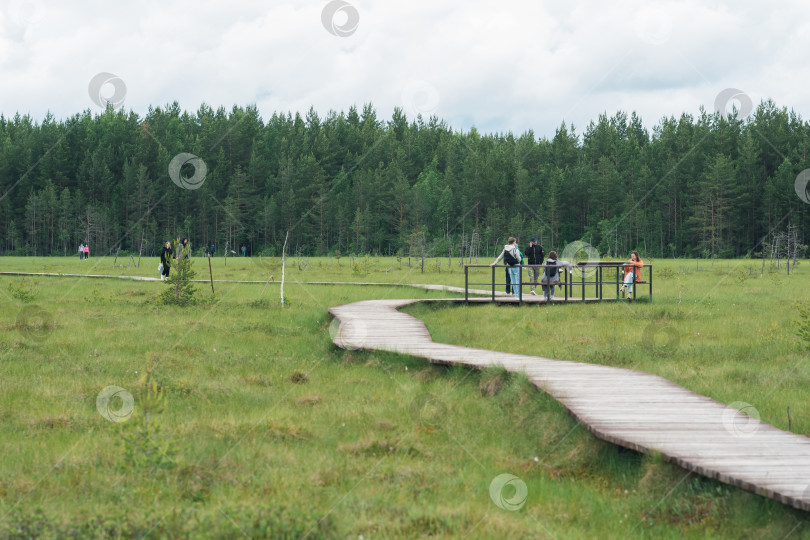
508,282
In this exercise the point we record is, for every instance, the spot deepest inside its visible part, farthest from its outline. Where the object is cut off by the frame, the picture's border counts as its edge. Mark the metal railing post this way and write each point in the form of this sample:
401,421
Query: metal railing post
582,271
493,283
466,284
565,283
617,282
599,282
651,283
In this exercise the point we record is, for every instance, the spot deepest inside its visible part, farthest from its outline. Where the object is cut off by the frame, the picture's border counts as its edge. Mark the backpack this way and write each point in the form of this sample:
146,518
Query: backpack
551,273
510,259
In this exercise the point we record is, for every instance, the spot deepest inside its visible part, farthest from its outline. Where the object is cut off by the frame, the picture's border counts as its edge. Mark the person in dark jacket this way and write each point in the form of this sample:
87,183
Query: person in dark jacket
166,260
534,255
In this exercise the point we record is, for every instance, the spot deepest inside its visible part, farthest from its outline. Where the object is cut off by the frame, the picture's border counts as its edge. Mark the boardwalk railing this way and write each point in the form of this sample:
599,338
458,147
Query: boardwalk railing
580,278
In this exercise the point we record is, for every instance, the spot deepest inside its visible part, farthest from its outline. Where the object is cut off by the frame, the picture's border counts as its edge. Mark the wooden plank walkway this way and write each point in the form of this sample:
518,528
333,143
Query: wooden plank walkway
629,408
429,287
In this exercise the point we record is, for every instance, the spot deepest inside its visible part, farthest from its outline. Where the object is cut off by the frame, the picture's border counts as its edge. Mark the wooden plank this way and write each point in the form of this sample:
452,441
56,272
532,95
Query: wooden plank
626,407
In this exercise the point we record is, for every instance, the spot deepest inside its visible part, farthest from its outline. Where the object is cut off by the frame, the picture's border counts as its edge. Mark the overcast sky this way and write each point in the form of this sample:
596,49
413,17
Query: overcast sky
512,67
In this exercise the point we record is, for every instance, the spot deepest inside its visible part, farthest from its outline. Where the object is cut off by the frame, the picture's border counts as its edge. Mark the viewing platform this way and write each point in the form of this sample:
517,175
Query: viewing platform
587,281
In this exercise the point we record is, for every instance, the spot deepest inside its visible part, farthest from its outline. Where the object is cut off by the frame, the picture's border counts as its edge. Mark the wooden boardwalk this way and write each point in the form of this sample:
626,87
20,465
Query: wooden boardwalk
629,408
429,287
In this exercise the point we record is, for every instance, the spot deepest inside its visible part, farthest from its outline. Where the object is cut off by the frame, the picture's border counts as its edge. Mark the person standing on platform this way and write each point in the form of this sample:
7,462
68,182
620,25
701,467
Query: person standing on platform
511,257
551,275
534,255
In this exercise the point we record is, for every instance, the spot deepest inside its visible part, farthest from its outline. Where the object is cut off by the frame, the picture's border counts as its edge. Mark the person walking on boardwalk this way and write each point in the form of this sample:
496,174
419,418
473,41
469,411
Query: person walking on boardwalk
184,249
551,275
166,260
632,273
534,255
511,258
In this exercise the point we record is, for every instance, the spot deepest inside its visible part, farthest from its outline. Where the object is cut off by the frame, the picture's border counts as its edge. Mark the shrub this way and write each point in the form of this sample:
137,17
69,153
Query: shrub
142,442
181,289
23,290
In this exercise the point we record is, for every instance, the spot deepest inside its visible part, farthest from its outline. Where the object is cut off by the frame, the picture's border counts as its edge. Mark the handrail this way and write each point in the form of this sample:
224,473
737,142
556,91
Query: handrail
584,267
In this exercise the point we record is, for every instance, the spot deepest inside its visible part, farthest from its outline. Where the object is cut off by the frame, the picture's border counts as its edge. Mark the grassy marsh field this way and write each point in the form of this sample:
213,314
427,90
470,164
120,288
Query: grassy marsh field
249,422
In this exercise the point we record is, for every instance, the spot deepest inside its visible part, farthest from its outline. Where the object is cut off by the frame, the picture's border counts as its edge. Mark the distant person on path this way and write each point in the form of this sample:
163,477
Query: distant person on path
166,260
244,250
81,251
86,251
184,249
551,275
632,273
534,255
511,257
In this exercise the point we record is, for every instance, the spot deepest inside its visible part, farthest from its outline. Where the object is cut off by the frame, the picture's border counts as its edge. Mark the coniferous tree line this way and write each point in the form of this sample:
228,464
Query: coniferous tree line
709,185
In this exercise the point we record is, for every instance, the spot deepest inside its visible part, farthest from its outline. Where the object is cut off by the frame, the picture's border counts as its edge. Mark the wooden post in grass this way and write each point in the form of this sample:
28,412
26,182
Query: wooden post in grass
266,283
140,248
283,262
211,273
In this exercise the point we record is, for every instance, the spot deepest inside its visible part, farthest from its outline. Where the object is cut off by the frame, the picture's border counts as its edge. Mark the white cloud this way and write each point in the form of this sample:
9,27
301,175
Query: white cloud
524,65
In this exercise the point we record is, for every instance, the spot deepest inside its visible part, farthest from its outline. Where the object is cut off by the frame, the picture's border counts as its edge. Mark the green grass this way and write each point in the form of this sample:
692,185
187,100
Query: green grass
277,432
345,269
720,332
